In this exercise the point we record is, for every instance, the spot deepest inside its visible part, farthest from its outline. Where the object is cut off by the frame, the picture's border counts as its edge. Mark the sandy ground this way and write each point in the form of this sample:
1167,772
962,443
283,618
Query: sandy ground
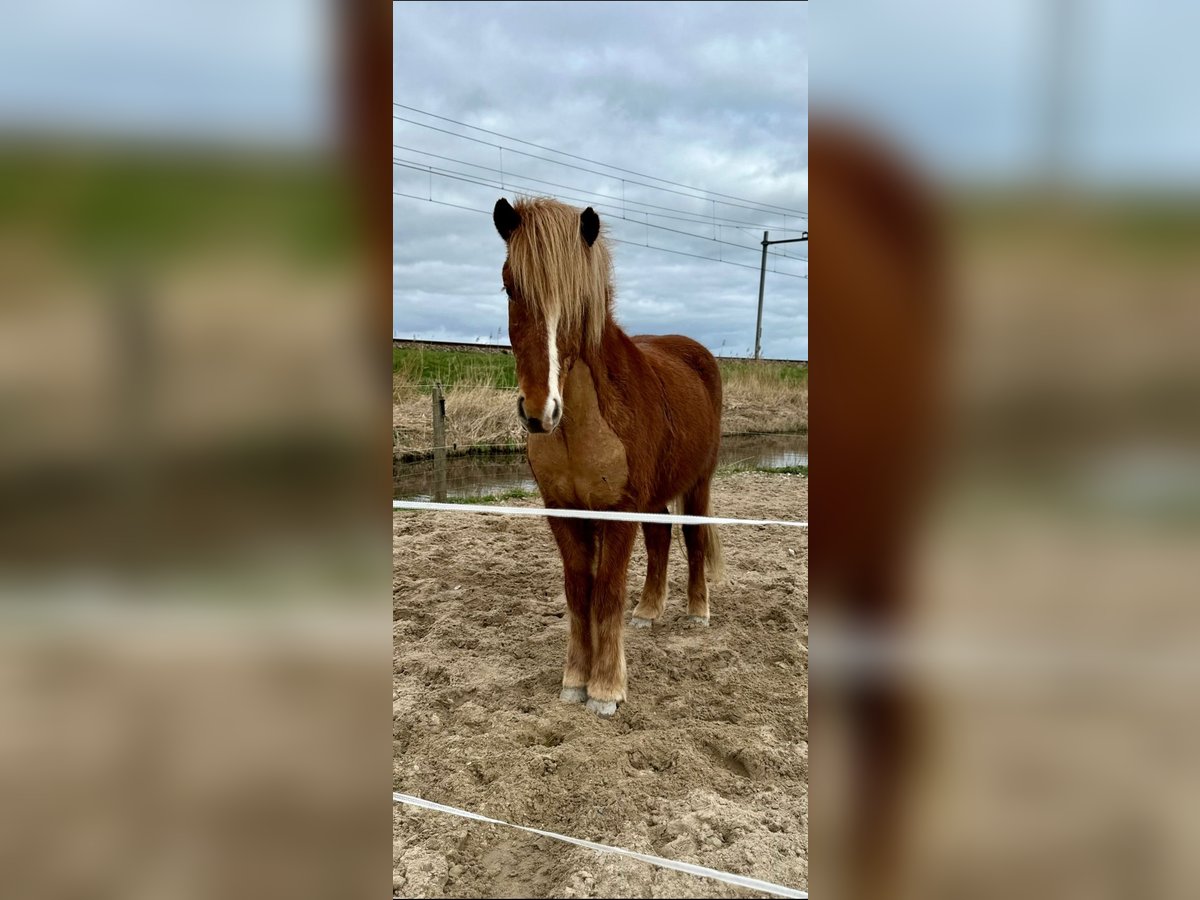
707,762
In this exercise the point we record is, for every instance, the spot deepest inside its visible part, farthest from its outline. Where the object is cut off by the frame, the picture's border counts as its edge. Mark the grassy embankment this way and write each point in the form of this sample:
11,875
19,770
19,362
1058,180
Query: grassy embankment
481,390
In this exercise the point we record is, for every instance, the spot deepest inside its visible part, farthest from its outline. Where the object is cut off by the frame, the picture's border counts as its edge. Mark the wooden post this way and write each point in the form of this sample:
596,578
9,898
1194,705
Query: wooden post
439,444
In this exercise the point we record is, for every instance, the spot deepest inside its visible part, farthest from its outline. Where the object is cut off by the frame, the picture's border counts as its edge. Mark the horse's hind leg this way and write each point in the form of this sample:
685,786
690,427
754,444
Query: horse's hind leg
654,591
697,539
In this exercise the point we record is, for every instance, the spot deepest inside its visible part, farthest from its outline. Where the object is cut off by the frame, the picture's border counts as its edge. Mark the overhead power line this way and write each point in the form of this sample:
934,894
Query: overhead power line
683,215
493,183
757,208
615,240
597,162
709,258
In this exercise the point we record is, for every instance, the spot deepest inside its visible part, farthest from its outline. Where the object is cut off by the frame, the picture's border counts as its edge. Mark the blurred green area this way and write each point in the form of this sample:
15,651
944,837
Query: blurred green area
95,203
1145,226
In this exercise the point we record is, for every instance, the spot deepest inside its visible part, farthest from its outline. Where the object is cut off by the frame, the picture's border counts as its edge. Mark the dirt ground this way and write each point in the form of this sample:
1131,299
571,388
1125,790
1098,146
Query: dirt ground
706,762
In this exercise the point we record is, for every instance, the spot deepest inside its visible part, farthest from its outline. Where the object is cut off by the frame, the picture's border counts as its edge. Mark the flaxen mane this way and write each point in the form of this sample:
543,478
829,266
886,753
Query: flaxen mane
559,274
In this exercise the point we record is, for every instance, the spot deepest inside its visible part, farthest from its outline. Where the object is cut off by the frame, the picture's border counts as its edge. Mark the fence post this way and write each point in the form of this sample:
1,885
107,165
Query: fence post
439,444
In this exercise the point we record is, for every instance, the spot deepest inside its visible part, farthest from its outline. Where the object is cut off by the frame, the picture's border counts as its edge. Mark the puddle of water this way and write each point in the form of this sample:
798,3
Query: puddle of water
478,476
466,476
770,450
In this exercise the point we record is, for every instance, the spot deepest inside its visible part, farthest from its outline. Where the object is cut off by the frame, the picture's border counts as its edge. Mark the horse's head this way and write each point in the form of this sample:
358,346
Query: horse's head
557,280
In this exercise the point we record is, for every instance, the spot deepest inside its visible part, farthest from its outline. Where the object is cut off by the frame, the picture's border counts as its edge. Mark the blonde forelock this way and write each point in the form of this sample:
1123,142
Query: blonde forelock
556,271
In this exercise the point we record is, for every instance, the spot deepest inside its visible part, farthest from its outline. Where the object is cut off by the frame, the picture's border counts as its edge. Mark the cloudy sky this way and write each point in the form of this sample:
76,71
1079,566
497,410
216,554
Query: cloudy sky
712,97
964,85
216,70
703,105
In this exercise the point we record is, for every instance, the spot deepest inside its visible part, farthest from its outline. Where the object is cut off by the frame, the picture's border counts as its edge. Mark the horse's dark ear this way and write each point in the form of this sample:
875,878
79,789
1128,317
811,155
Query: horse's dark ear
506,218
589,226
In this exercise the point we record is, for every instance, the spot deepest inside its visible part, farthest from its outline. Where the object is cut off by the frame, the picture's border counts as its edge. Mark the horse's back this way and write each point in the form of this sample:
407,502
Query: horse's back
680,355
686,379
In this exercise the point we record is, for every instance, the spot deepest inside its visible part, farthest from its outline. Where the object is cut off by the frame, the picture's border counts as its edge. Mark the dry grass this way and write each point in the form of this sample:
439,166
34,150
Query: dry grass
759,397
764,397
477,415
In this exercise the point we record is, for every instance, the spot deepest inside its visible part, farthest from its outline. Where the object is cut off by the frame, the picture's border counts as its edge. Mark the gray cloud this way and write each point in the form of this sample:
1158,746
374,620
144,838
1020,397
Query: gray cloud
711,95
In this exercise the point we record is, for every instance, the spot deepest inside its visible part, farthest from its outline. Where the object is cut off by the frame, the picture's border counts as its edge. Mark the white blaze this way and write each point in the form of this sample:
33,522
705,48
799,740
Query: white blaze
552,395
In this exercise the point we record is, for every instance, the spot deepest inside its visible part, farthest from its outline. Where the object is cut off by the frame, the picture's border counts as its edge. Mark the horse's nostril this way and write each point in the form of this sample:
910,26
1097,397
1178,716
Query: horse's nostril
521,407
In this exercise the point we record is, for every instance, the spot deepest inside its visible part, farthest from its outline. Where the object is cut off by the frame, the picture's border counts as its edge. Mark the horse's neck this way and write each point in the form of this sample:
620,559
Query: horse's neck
615,360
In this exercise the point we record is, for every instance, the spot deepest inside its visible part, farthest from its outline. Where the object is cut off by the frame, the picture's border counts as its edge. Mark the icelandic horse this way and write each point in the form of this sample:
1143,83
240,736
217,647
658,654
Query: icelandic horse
615,423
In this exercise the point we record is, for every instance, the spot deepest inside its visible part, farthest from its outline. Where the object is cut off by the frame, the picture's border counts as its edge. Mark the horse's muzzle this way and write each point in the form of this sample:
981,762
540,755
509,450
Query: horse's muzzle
536,425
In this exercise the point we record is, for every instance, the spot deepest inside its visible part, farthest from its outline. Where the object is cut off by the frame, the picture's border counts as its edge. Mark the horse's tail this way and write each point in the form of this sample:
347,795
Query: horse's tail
676,509
714,558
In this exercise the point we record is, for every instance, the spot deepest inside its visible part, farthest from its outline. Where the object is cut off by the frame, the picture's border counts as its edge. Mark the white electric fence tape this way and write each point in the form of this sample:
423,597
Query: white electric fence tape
657,518
753,884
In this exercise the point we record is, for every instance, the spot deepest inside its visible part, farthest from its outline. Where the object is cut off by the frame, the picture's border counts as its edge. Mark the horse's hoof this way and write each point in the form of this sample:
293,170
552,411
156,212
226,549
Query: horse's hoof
603,708
639,622
573,695
695,622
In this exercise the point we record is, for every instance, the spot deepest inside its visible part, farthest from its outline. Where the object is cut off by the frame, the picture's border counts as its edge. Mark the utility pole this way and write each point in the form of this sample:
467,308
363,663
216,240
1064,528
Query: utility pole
762,281
1057,114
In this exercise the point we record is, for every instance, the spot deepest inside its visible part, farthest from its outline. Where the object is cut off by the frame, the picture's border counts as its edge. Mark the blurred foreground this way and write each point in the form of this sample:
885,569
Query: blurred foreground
1049,633
193,545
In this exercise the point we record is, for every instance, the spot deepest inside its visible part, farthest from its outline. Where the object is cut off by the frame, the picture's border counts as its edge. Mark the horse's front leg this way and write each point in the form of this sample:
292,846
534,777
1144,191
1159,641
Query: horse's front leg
576,544
614,545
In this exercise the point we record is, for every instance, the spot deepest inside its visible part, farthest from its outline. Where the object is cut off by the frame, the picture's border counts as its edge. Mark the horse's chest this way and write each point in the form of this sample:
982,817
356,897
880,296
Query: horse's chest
583,462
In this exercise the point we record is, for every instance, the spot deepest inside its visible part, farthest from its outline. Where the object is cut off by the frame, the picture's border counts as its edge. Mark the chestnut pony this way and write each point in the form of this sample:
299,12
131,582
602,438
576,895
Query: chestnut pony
615,423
